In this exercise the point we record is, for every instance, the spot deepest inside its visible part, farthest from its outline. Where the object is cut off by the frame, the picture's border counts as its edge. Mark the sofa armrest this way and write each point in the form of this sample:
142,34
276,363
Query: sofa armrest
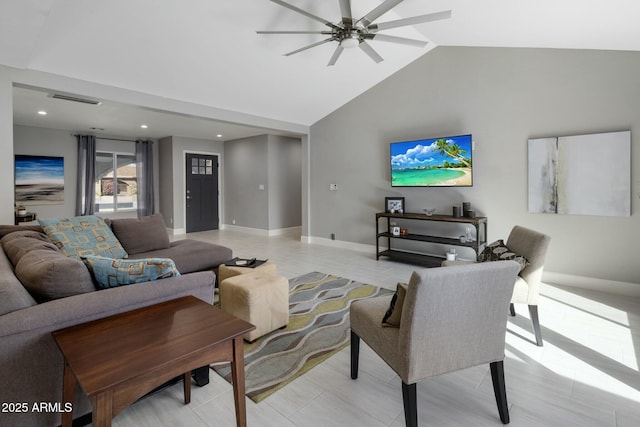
29,353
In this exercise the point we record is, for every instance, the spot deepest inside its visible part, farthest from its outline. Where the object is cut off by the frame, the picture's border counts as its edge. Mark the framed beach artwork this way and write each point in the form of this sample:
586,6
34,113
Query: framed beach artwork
581,174
39,180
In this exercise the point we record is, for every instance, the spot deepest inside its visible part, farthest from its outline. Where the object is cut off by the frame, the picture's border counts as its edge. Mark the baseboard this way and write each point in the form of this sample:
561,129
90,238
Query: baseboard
176,231
575,281
292,231
602,285
360,247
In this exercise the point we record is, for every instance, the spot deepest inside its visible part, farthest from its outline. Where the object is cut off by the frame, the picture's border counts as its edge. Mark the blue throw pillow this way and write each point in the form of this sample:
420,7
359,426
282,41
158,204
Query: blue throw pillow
110,273
83,235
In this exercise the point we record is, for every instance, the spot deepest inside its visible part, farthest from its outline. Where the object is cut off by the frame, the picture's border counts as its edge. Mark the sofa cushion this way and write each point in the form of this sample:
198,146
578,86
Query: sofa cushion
7,229
18,243
110,272
83,235
191,255
42,269
48,274
137,235
13,296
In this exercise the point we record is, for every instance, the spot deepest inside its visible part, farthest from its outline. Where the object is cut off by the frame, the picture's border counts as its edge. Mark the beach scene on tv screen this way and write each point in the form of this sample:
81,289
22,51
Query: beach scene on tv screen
432,162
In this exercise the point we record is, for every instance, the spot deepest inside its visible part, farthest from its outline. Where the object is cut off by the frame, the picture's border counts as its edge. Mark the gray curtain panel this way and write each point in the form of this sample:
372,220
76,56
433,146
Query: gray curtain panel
144,171
86,197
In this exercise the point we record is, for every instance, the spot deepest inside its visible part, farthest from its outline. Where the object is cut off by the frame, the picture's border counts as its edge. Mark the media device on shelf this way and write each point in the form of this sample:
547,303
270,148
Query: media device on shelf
433,162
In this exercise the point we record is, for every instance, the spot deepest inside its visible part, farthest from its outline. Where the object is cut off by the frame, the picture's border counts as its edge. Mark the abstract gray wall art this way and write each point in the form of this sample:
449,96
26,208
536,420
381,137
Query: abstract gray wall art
581,174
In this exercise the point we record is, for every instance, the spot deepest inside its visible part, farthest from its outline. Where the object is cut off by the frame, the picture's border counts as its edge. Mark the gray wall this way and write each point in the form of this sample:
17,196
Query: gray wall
49,142
173,158
61,143
165,180
6,147
503,97
274,162
245,170
285,170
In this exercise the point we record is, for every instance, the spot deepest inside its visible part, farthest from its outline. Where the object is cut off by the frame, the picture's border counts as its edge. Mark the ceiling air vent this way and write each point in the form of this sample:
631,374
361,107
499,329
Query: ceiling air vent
75,99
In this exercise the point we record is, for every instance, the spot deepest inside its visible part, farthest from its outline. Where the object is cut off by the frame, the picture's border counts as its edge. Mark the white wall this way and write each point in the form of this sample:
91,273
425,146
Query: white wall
503,97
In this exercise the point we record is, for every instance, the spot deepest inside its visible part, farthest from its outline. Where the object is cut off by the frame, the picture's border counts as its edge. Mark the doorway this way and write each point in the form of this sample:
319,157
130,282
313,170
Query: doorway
201,192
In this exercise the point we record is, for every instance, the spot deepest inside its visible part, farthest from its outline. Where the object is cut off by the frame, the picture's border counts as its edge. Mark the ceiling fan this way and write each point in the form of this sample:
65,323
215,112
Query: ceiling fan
350,32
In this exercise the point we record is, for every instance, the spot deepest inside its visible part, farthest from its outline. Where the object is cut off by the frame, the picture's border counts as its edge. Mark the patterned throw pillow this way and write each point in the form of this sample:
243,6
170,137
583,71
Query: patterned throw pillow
498,251
83,235
394,313
110,273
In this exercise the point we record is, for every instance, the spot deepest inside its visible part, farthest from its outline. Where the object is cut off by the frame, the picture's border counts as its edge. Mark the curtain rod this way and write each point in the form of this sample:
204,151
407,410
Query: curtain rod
110,139
116,139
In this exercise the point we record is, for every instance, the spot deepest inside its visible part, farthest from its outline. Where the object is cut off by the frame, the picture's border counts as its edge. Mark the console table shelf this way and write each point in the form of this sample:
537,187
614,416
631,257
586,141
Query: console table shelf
479,224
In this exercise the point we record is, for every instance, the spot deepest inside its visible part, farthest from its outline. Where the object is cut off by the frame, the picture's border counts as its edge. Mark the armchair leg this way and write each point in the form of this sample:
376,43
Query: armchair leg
500,390
533,312
409,398
512,310
355,353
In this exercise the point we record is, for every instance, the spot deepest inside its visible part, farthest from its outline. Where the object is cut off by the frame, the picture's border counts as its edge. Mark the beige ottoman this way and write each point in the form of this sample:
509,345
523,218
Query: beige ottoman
226,271
260,298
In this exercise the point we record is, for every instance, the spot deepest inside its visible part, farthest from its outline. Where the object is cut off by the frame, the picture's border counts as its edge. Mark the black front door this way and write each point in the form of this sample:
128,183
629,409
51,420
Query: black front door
202,192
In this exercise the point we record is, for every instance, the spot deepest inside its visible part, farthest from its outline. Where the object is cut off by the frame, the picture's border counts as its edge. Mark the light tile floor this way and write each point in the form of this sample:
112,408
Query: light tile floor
585,375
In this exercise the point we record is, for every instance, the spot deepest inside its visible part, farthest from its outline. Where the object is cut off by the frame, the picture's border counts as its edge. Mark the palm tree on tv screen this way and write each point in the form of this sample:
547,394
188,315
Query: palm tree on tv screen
452,150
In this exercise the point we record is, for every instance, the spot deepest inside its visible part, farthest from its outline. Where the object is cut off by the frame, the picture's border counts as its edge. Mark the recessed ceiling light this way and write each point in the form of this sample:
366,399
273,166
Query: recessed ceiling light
42,113
144,126
219,135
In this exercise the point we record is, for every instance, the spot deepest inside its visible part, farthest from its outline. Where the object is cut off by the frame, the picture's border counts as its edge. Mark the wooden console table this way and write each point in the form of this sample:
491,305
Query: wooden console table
118,359
479,224
26,217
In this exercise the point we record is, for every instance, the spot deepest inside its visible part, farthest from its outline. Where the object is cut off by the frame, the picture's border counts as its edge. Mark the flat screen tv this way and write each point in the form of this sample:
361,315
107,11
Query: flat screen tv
434,162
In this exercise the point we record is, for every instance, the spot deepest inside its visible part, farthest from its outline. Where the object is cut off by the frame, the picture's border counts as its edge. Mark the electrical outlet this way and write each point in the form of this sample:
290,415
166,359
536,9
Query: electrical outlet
333,187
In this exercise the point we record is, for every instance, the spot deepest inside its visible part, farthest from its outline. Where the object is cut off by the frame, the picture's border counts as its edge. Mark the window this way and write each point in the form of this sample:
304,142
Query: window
116,182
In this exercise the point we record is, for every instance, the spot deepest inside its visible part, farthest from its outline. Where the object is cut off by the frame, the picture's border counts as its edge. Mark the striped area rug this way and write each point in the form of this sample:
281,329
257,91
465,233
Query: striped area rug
318,328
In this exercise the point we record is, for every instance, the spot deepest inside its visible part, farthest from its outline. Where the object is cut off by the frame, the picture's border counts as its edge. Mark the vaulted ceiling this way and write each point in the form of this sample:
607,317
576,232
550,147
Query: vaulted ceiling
207,52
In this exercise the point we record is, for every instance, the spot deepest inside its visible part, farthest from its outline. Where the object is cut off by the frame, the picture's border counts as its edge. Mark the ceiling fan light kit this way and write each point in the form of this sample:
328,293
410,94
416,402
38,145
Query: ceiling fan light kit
350,33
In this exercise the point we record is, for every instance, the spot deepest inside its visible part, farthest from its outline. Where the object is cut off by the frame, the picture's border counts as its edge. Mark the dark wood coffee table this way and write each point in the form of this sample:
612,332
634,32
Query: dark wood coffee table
118,359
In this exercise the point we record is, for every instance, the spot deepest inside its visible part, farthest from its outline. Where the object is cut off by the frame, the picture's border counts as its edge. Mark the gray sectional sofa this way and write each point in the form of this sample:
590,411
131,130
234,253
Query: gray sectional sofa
30,362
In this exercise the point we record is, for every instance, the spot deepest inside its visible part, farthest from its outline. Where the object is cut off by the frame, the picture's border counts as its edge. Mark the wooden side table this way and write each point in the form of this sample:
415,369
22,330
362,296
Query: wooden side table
27,217
118,359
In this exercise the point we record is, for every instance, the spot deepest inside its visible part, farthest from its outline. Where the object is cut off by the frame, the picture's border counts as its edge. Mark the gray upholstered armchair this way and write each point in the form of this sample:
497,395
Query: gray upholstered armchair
452,318
533,246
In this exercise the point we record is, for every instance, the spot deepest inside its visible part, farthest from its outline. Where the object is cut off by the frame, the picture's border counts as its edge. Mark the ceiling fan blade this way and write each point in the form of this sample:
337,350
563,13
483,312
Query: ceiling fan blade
421,19
295,32
330,39
394,39
305,13
345,10
366,47
378,12
335,56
